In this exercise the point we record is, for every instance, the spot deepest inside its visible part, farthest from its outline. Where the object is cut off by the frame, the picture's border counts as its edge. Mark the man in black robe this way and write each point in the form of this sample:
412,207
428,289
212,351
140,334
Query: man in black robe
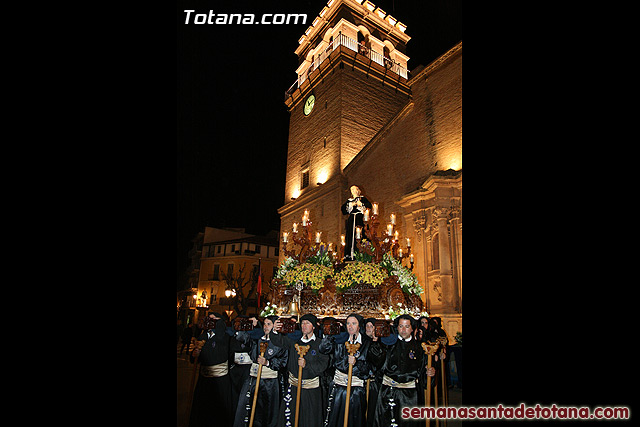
433,333
402,364
375,375
335,345
239,367
313,364
354,207
212,398
268,402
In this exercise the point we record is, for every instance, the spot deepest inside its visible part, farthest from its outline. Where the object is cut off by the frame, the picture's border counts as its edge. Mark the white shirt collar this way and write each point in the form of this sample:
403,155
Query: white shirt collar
358,339
313,337
402,339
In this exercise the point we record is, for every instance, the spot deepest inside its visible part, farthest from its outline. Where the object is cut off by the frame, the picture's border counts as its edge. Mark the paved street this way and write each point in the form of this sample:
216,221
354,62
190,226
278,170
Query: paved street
185,373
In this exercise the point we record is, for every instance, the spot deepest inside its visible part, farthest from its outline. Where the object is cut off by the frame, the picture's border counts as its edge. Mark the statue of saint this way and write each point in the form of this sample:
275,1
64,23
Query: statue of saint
354,207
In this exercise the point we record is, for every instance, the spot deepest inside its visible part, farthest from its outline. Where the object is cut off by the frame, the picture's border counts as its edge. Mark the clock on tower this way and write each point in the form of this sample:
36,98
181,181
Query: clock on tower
308,104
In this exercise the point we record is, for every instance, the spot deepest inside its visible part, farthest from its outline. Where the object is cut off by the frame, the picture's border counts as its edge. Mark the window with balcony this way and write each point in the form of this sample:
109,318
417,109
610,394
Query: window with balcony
362,46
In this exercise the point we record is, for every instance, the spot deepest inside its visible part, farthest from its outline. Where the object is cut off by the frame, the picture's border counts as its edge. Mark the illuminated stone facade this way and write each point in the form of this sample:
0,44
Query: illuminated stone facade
396,135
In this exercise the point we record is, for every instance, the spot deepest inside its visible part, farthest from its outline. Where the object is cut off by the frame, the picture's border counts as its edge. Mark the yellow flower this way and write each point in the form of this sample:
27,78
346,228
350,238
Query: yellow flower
360,272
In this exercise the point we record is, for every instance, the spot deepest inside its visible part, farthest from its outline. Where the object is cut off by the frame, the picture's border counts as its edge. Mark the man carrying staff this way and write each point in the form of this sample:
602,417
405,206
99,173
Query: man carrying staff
335,345
313,364
402,365
268,401
212,398
375,376
435,333
239,365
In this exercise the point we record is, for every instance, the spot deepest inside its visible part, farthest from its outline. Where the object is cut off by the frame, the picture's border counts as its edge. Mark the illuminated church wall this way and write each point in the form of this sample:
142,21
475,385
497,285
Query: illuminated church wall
424,138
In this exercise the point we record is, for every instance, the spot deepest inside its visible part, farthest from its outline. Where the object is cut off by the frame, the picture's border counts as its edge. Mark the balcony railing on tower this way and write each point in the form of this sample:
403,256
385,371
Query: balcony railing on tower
360,48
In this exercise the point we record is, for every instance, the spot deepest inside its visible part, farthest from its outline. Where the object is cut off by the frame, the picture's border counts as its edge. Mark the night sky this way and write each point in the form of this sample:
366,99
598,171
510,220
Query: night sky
232,124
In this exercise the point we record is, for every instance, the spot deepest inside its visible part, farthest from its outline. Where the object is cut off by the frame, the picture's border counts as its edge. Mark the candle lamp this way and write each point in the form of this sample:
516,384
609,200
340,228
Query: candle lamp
366,215
358,232
285,237
393,219
375,208
318,234
302,238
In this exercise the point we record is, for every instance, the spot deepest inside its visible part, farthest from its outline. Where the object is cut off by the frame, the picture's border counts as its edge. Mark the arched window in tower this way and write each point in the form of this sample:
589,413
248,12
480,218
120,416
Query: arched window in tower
304,177
363,49
387,58
311,66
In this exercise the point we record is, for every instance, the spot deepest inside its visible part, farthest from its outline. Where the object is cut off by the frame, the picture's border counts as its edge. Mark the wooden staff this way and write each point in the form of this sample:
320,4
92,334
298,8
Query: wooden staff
302,350
351,349
365,412
430,350
263,348
198,346
445,392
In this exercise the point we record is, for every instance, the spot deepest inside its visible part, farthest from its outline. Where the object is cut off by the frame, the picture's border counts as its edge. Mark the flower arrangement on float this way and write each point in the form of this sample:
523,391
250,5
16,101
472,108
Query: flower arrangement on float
318,267
406,277
312,275
289,263
377,263
269,310
360,272
401,309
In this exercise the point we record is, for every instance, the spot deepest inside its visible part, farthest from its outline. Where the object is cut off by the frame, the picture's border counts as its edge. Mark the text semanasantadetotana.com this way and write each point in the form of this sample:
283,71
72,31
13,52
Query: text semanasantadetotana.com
519,412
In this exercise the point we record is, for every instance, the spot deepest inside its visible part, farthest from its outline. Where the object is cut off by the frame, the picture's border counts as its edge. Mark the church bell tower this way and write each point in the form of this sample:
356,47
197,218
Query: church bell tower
350,81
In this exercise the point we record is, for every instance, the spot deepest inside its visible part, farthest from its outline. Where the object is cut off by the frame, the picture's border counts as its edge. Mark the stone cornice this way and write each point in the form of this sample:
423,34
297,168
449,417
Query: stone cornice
351,61
437,63
427,189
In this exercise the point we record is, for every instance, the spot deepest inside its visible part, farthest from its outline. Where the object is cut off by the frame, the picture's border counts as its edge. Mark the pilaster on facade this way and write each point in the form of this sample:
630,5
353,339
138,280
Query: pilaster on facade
436,216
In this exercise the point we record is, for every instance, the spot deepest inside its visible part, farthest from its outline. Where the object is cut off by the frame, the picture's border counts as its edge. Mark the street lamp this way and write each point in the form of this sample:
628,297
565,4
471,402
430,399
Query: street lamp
229,293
